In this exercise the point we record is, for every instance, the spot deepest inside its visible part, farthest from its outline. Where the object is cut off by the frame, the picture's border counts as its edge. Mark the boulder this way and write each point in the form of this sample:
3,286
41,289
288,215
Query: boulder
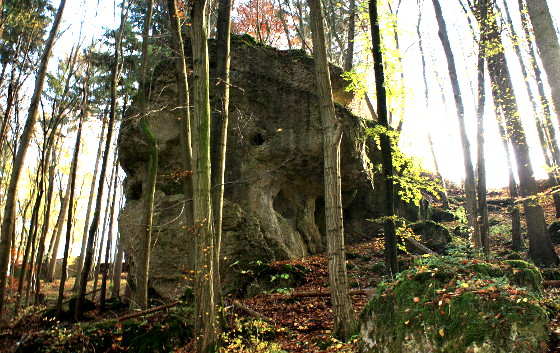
274,169
433,235
441,215
554,231
457,305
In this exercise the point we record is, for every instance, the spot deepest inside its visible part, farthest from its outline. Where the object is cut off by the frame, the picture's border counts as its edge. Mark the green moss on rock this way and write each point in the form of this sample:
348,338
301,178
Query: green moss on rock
456,305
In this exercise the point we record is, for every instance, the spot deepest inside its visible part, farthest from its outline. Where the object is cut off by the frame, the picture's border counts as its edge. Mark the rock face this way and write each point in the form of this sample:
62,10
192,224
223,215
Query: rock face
274,170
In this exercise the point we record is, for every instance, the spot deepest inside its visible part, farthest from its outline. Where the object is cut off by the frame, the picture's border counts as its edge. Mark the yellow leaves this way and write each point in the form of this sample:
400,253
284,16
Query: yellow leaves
441,332
464,285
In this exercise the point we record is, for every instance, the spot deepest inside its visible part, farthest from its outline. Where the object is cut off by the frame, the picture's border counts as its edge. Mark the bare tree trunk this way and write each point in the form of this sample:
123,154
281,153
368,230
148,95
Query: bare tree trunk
26,263
349,57
470,190
105,270
206,325
516,240
345,324
40,253
386,153
547,42
105,230
546,145
117,269
80,259
145,246
184,121
71,187
57,234
481,162
88,259
443,193
541,250
9,208
219,136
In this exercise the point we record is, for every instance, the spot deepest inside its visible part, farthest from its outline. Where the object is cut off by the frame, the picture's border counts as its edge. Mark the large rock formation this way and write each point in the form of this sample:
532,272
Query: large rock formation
274,173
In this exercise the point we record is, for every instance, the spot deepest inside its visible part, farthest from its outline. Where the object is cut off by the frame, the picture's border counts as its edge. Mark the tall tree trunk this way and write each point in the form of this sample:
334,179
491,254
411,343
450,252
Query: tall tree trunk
56,236
516,240
345,324
546,145
184,121
541,250
117,269
219,132
385,140
26,263
71,187
80,259
206,325
105,230
548,45
481,162
349,57
25,138
105,270
44,231
470,190
544,100
88,258
443,193
142,261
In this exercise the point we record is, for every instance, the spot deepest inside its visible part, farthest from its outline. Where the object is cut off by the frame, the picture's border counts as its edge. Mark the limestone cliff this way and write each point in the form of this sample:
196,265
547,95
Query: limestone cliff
274,172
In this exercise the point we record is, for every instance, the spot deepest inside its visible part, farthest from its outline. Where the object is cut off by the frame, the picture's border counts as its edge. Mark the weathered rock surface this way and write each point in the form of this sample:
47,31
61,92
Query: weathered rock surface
274,171
433,235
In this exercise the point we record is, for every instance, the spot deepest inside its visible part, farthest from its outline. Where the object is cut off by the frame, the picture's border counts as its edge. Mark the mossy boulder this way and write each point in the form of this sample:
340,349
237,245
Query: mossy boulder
433,235
456,305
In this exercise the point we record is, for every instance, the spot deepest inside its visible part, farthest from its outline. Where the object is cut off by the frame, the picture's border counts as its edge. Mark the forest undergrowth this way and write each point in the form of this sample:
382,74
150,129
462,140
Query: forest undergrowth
284,318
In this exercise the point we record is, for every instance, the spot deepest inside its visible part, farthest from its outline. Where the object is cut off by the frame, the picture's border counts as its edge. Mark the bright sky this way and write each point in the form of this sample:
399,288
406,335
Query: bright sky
100,14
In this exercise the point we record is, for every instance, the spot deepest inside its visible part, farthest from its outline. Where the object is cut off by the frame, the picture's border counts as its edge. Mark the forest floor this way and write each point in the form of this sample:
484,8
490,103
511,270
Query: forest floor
279,321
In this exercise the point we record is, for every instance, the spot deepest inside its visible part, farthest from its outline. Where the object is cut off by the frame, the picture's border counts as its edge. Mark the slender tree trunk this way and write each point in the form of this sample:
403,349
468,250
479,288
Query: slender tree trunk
516,240
44,231
548,45
144,251
105,270
470,190
80,259
9,208
88,259
71,187
206,325
349,57
184,122
443,193
546,145
219,132
117,269
541,250
26,263
481,162
385,139
56,236
345,324
544,100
